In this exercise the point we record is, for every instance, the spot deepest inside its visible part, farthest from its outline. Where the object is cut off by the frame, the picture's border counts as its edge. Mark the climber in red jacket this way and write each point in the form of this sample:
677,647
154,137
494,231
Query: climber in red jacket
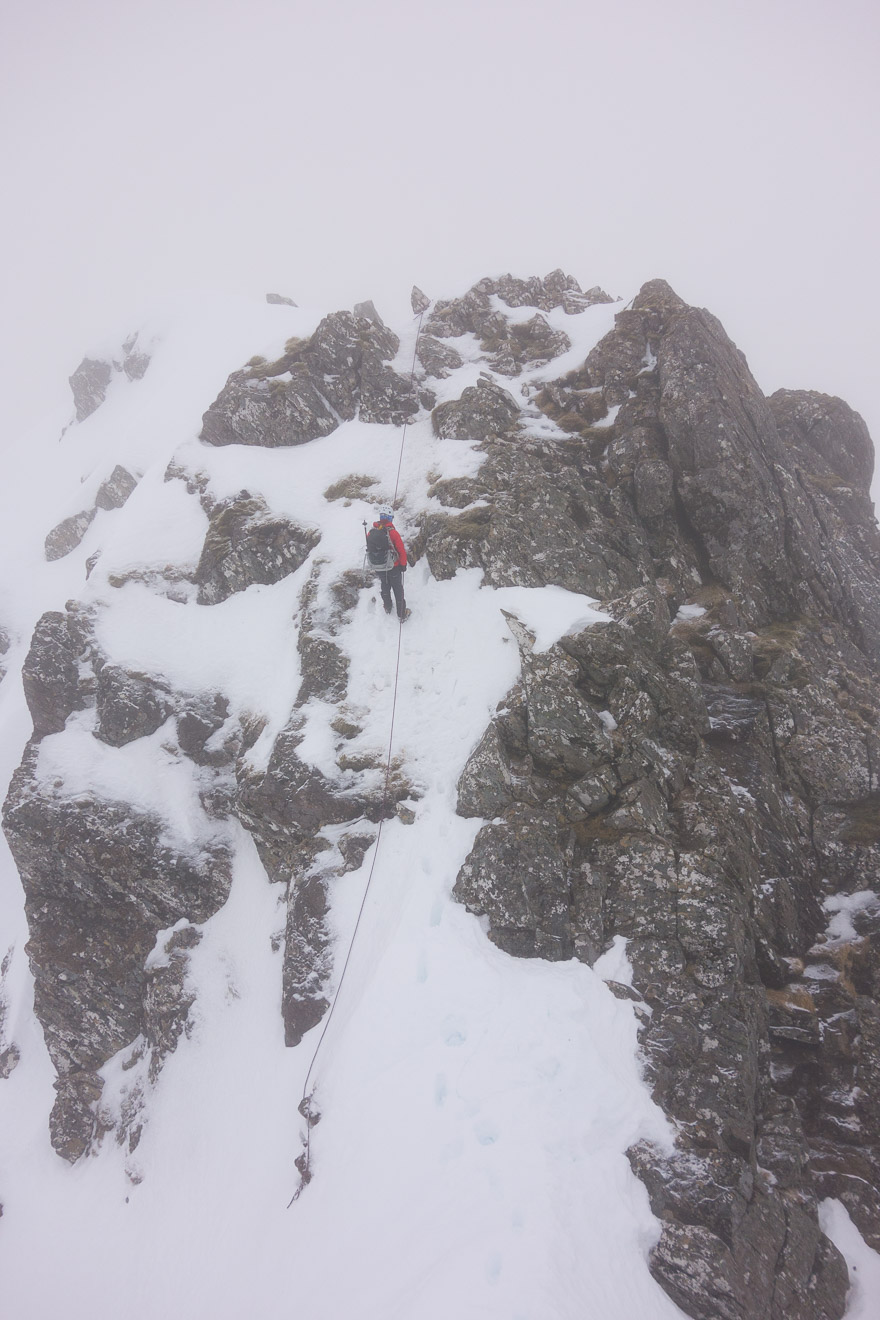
387,556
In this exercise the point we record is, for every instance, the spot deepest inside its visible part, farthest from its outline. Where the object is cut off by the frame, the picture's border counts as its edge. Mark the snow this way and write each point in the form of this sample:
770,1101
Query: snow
862,1262
688,612
476,1108
842,908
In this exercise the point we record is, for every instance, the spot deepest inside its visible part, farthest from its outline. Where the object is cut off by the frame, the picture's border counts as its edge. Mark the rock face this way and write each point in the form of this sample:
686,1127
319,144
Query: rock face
704,784
101,881
112,494
340,373
245,544
92,378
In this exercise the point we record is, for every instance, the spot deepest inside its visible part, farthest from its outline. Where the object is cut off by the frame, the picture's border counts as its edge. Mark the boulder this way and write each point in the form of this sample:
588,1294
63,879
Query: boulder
67,535
115,489
100,879
246,544
90,383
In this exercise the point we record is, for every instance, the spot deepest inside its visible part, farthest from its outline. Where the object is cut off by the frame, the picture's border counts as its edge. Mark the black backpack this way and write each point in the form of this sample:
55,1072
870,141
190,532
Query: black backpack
380,551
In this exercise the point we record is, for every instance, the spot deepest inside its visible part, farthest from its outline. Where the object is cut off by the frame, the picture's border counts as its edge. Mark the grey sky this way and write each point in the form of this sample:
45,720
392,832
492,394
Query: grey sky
343,150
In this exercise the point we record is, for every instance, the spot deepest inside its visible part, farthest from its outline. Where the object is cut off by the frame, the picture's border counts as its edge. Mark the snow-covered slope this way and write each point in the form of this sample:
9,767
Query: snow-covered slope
475,1108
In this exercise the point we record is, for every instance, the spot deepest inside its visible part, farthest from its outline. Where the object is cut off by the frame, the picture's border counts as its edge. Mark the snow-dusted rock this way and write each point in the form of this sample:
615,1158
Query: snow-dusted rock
67,535
245,544
115,489
89,383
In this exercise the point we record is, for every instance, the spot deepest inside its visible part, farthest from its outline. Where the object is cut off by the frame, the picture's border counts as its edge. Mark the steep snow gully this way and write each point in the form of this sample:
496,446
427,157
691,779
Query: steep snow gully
197,696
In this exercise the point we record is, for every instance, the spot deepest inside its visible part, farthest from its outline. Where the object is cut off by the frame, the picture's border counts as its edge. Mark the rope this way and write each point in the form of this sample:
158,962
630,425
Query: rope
303,1161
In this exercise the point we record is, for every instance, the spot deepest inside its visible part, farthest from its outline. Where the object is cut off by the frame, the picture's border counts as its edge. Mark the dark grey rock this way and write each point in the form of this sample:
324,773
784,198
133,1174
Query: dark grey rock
324,665
251,410
484,411
826,435
50,674
368,311
134,361
247,544
89,383
115,490
438,359
307,959
67,535
129,706
279,300
340,373
100,881
419,301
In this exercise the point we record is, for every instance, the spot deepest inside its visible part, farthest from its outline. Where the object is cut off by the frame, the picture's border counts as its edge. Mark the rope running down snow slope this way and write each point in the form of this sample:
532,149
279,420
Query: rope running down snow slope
303,1161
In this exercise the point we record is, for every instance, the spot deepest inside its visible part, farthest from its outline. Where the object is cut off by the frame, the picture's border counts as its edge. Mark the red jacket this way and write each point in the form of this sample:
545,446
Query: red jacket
399,548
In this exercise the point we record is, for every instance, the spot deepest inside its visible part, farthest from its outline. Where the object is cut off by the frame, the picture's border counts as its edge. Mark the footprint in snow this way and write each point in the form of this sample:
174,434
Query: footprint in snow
493,1267
422,968
440,1091
456,1031
486,1132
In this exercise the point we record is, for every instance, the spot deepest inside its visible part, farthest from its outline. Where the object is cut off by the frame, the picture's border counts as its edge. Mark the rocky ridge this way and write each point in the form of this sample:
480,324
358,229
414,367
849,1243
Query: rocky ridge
696,777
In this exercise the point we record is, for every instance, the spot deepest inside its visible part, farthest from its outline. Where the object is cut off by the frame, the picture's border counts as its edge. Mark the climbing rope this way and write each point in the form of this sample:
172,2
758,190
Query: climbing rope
303,1161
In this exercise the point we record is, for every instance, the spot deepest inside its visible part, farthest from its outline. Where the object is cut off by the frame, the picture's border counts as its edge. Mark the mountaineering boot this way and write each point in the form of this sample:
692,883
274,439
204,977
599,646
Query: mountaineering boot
388,609
404,616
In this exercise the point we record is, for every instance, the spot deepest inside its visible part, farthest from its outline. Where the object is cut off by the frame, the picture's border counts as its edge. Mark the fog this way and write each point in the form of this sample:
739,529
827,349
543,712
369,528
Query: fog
344,151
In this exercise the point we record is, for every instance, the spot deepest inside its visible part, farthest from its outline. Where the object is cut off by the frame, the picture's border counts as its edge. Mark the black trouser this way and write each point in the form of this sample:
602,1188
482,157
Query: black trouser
389,581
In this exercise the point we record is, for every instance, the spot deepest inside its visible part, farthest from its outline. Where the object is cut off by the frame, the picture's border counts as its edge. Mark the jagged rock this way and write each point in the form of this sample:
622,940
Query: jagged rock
129,706
9,1051
340,373
101,879
198,720
67,535
115,490
420,302
826,434
368,311
517,874
251,410
50,675
246,543
307,959
168,997
287,804
484,411
324,665
574,533
536,343
438,359
279,300
460,316
134,361
691,833
89,383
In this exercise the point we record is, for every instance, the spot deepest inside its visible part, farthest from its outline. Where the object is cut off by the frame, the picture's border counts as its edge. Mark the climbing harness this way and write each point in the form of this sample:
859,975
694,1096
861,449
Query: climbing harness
306,1105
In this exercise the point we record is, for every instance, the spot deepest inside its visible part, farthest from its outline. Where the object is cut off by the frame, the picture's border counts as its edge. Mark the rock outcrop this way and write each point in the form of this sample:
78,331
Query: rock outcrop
247,544
340,373
112,494
101,880
702,784
91,380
